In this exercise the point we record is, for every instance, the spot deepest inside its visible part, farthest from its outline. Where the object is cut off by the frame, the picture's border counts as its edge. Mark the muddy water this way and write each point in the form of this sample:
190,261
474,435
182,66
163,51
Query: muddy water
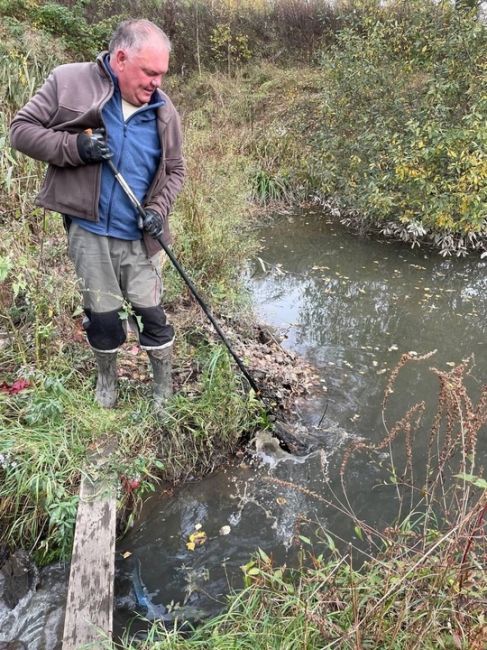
351,307
274,507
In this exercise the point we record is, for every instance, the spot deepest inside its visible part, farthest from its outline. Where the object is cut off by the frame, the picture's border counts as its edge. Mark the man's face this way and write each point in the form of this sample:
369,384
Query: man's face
141,71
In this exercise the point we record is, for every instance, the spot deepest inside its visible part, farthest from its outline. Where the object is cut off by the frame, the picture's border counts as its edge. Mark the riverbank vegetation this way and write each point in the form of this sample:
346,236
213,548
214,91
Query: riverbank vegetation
382,115
375,110
418,584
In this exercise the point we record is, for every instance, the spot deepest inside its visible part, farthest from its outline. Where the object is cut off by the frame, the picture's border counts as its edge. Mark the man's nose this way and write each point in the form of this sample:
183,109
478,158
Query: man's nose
156,82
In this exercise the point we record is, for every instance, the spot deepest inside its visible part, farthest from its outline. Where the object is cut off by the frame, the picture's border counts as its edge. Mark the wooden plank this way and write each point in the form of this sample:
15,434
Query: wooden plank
89,604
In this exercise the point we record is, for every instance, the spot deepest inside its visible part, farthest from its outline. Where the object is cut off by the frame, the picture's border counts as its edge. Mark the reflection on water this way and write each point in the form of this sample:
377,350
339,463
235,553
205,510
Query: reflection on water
351,307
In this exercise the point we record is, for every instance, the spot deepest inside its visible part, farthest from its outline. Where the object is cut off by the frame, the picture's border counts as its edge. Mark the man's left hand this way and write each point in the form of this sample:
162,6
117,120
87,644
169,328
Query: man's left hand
153,223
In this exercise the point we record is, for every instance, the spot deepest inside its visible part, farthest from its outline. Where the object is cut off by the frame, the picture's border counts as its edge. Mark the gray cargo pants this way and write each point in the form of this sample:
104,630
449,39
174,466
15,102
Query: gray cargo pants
113,272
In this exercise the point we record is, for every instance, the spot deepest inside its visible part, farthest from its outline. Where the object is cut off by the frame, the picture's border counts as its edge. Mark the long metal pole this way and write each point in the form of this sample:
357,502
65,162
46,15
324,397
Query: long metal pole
141,213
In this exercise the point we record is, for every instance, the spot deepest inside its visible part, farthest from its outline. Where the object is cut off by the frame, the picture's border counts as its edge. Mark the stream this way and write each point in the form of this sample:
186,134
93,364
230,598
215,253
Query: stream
351,307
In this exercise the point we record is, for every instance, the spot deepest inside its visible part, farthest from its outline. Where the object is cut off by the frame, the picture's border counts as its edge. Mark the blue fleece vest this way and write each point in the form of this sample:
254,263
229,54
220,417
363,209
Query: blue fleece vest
136,153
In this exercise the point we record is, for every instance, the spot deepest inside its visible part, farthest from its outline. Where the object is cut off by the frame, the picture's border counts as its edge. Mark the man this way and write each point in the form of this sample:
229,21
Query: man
117,263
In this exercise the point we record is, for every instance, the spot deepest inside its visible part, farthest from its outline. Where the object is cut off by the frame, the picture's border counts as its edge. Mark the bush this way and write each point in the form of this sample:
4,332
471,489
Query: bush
68,24
284,29
402,140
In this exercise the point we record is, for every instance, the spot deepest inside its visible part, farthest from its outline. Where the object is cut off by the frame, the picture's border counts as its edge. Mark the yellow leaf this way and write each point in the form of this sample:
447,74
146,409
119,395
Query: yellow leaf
196,539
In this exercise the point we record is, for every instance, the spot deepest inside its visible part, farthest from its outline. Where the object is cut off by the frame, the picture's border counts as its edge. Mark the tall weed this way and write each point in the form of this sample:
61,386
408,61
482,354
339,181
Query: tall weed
213,209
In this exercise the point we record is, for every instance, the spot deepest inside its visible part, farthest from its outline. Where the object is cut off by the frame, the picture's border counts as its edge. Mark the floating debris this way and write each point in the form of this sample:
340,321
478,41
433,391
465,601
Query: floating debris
197,538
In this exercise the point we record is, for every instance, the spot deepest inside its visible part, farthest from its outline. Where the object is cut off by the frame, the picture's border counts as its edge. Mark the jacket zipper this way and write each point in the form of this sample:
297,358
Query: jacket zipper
119,165
114,183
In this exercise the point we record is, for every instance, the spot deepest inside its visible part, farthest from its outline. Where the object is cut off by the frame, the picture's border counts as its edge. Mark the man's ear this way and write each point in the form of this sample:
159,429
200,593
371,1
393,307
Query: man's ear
120,58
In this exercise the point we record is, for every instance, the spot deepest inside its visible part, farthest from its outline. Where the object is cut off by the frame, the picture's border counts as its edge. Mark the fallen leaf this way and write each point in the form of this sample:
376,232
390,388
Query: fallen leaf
126,554
17,387
196,539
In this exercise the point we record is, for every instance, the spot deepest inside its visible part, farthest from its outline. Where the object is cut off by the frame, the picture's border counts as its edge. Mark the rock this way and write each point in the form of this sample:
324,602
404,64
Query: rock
264,336
19,577
12,645
298,442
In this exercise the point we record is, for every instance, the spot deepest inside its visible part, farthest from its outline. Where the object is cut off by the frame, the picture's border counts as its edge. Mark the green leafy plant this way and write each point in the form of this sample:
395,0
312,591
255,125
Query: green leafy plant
208,424
228,48
401,137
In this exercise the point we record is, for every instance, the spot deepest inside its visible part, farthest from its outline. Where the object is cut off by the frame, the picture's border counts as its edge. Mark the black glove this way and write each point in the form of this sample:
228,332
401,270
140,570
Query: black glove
153,223
93,148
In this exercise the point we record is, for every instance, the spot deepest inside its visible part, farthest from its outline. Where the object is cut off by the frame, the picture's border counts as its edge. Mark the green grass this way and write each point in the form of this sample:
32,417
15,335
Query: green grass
205,425
50,427
48,431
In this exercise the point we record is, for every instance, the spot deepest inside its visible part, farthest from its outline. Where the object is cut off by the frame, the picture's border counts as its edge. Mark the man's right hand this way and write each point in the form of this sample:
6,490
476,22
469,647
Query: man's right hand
93,148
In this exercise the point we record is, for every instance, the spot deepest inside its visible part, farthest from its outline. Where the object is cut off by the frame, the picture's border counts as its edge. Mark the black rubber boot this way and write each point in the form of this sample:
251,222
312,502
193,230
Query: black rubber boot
161,362
106,392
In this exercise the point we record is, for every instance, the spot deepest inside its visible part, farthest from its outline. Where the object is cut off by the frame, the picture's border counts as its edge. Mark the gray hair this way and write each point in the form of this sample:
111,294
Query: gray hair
132,34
